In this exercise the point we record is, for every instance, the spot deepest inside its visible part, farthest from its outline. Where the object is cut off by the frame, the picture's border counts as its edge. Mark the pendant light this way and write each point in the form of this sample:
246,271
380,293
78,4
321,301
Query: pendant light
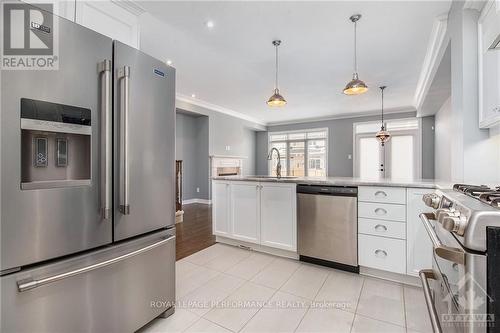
355,86
383,136
276,100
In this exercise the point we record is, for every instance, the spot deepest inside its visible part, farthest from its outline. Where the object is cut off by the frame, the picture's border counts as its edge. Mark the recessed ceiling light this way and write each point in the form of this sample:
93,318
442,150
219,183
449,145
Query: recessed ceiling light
169,62
193,95
210,24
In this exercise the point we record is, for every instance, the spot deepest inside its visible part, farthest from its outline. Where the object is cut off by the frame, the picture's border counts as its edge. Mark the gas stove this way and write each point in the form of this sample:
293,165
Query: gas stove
462,289
466,211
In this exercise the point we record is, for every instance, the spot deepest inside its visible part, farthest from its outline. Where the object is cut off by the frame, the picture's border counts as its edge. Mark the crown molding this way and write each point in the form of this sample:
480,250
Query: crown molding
130,6
217,108
435,51
475,4
344,116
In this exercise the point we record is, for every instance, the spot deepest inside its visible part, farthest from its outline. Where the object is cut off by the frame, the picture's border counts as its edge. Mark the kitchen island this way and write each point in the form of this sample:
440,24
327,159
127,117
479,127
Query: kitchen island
260,213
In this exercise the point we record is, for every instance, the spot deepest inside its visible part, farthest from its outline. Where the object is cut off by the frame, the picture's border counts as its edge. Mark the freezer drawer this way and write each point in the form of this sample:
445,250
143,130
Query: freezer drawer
118,289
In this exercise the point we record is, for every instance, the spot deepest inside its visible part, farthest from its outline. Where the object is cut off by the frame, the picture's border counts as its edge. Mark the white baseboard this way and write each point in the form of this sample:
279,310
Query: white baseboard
200,201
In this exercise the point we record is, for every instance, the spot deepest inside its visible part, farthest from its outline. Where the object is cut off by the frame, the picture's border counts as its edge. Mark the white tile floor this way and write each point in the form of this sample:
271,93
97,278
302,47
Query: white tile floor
227,289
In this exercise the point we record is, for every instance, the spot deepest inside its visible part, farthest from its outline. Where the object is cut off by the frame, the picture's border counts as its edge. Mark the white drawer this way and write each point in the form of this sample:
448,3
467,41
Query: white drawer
382,211
382,228
387,254
395,195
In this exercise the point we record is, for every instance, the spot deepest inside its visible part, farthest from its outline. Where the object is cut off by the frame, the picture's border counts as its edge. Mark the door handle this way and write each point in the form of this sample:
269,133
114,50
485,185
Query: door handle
106,123
380,211
380,193
124,78
380,253
31,283
428,274
446,252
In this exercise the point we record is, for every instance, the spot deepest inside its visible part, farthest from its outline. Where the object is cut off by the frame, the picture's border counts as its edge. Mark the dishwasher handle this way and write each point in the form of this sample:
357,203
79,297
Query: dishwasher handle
344,191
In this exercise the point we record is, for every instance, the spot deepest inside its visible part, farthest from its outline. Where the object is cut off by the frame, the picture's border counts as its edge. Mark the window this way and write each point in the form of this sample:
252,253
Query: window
398,159
303,153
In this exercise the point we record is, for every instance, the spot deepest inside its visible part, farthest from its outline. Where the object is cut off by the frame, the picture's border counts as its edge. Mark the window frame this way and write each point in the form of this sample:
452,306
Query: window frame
306,152
417,135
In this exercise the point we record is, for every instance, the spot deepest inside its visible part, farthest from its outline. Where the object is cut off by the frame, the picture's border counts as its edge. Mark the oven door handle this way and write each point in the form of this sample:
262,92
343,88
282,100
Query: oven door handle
428,274
446,252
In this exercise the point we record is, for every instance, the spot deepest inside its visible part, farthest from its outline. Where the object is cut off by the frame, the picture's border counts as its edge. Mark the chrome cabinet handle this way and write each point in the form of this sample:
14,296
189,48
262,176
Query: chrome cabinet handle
124,77
31,283
106,130
380,194
380,253
428,274
380,211
446,252
380,227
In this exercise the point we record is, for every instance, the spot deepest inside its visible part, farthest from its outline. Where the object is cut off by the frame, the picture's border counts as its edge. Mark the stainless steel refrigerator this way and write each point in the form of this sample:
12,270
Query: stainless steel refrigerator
87,189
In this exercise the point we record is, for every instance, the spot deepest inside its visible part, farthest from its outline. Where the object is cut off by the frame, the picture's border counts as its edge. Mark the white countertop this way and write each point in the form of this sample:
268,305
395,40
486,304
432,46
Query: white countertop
346,181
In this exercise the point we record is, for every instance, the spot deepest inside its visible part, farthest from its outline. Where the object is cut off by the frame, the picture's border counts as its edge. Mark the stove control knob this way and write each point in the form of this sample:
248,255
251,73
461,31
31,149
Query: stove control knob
451,223
431,200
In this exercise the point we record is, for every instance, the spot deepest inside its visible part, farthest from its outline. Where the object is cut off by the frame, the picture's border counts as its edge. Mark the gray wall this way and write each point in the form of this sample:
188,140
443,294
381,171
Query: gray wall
191,146
428,147
442,163
340,143
225,130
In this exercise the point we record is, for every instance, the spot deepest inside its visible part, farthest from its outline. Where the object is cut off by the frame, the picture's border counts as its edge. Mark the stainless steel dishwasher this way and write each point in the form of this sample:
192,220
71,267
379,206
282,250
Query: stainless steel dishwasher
328,225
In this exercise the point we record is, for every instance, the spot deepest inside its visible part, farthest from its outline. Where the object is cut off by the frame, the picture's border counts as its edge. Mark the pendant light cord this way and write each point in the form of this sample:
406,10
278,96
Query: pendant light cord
355,47
276,78
383,127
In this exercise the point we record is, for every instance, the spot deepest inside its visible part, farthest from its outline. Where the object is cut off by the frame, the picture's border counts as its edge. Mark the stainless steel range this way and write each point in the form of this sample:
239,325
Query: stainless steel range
87,228
463,287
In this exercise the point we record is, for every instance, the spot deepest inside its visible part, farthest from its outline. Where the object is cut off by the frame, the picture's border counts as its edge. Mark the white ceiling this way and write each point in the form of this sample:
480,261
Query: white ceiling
232,65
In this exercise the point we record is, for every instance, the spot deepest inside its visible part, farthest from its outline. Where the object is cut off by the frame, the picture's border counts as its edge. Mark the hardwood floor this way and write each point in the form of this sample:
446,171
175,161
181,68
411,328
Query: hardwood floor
195,233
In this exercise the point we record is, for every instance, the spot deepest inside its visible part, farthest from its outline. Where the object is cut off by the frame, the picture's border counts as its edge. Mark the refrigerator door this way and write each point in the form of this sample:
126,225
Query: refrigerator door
117,289
144,142
51,170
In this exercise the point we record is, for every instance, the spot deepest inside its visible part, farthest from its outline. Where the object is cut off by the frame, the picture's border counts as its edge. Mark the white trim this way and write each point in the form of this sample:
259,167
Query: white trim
214,107
200,201
344,116
484,122
474,4
130,6
435,51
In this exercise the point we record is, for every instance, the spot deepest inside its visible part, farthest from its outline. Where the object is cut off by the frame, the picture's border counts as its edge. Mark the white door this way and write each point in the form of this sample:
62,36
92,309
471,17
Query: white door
245,217
418,245
221,208
278,216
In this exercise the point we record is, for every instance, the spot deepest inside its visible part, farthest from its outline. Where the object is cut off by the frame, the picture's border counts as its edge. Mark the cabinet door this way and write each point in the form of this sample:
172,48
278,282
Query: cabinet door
418,244
278,216
245,217
110,19
220,208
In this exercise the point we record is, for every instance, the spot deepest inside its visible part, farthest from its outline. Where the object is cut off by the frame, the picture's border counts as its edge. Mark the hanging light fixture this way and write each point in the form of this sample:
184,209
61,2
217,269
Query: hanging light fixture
355,86
383,136
276,100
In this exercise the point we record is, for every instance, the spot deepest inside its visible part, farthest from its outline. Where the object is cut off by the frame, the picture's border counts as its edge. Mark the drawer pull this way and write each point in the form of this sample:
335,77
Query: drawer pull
380,211
380,227
381,194
380,253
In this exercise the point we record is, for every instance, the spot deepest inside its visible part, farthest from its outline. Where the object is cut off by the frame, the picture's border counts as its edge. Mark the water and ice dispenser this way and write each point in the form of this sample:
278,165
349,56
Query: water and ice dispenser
55,145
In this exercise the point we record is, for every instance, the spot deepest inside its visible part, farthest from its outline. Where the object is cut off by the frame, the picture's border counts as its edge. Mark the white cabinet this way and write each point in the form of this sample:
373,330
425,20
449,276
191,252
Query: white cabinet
110,19
221,208
489,65
245,219
383,253
262,213
278,216
418,245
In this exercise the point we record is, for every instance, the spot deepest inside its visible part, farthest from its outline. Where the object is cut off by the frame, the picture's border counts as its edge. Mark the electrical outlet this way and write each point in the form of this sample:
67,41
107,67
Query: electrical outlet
349,157
228,148
198,189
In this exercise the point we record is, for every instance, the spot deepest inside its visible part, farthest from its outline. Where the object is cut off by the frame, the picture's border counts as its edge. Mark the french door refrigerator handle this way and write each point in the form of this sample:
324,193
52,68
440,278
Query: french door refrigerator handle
106,123
124,78
31,283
